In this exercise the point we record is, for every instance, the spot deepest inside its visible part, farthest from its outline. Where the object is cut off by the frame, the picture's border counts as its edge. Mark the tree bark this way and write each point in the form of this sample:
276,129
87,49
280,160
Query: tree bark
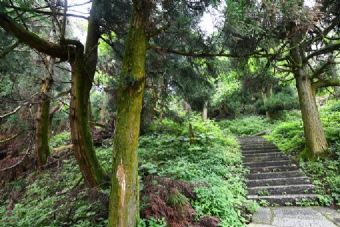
316,142
80,129
42,130
314,134
124,197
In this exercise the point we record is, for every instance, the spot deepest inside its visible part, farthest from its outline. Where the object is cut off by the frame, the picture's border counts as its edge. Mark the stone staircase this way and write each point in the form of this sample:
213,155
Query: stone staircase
272,175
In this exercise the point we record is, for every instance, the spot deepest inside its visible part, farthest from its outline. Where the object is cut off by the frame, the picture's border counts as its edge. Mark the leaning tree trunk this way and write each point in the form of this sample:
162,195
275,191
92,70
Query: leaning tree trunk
124,197
316,142
83,71
42,130
80,129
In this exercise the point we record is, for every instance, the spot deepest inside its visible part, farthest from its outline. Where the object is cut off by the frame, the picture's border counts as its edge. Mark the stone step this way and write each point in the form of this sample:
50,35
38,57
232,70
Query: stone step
247,146
278,181
257,176
268,163
284,199
259,148
272,169
265,158
264,154
281,189
246,153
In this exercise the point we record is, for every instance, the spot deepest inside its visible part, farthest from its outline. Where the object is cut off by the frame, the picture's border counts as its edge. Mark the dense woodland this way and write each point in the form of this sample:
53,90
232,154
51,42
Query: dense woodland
126,113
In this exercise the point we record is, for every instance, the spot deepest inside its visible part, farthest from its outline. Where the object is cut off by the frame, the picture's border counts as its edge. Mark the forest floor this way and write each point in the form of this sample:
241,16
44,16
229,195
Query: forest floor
296,217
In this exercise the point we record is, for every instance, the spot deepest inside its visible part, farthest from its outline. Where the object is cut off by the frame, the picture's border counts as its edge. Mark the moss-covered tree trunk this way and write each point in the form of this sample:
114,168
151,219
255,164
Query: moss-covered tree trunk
124,197
83,70
80,129
314,133
42,128
316,142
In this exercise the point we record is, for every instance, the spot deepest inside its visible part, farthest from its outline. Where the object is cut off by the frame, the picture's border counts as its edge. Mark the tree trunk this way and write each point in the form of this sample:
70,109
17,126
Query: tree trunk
80,129
42,130
316,142
124,197
265,96
83,71
334,75
314,134
205,111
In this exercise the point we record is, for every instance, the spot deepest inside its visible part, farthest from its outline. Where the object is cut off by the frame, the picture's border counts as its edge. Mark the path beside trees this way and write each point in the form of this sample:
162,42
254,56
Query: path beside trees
296,217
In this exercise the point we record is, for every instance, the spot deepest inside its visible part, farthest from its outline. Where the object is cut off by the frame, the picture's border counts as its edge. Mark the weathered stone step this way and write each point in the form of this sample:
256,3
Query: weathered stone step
284,199
282,189
256,176
259,148
278,181
260,152
264,154
265,158
272,169
268,163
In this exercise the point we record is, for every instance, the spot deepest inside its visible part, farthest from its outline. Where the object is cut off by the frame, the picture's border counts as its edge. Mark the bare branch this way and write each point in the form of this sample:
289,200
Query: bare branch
13,111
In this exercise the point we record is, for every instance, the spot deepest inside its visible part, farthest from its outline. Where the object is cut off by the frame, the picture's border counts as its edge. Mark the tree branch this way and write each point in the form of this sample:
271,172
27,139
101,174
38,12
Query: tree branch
195,54
33,40
13,111
325,83
325,50
9,49
48,13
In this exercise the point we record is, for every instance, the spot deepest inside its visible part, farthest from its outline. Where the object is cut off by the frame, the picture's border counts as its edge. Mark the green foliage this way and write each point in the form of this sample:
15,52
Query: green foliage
54,198
288,136
212,161
60,139
152,223
278,102
177,199
247,125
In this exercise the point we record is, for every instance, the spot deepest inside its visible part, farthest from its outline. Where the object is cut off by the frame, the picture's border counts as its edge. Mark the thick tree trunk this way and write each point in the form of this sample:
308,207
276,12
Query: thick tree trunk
316,142
314,134
124,197
80,129
42,130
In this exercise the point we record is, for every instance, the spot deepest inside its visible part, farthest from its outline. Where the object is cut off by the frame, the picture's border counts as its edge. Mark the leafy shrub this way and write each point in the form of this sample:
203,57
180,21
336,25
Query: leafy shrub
278,102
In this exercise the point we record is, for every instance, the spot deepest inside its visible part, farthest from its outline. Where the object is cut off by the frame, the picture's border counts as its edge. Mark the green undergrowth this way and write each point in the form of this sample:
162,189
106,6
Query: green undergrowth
210,159
247,125
54,197
289,137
